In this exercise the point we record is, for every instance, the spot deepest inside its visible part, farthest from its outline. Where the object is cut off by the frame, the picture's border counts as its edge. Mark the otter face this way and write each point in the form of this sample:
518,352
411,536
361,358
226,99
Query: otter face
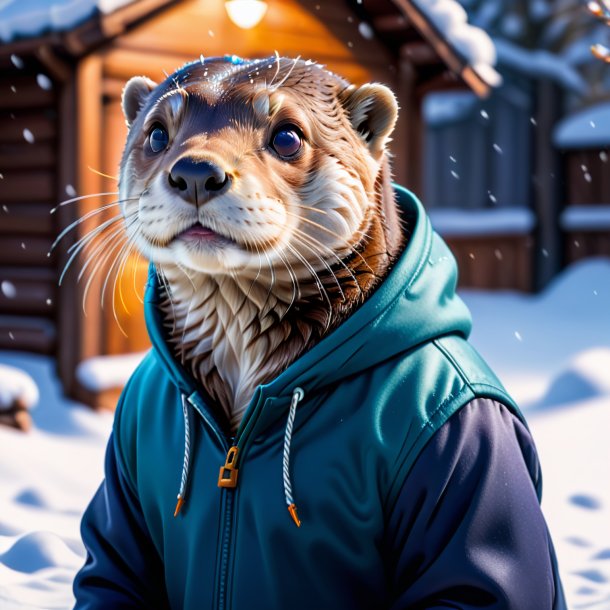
234,167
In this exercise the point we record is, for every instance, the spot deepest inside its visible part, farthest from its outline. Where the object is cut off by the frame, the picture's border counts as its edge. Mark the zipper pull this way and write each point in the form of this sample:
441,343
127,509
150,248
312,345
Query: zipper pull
228,472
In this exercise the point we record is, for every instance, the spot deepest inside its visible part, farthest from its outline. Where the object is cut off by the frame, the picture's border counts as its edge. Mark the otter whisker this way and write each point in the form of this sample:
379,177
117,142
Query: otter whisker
99,247
102,174
294,63
82,241
76,248
163,280
133,275
119,276
109,245
326,265
296,293
83,218
344,241
80,198
315,242
120,256
318,282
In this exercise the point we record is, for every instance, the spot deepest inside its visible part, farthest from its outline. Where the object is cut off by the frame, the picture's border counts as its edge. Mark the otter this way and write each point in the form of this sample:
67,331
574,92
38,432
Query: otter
261,190
290,294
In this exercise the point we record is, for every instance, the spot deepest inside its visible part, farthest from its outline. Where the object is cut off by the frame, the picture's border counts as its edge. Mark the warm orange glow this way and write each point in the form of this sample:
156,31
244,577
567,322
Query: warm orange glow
246,13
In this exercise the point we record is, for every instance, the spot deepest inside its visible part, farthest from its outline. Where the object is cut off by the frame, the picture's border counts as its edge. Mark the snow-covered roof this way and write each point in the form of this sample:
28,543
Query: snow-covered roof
28,18
589,128
473,43
451,222
585,218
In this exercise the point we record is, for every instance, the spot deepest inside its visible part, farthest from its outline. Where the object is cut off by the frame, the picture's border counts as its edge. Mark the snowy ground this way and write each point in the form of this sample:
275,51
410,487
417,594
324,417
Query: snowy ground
552,351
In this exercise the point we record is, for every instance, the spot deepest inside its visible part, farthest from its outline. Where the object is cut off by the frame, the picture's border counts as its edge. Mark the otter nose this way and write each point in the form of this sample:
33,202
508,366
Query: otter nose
197,181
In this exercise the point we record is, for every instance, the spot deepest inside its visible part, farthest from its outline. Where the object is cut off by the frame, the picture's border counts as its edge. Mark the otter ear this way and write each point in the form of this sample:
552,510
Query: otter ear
373,111
134,96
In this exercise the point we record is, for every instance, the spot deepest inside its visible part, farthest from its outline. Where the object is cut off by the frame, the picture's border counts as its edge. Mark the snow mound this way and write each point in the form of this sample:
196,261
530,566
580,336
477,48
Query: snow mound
585,377
589,128
37,551
107,372
474,44
16,384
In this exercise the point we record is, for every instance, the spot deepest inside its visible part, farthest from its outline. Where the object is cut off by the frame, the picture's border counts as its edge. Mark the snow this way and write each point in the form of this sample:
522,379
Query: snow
27,18
107,372
454,222
473,43
551,350
589,128
448,107
585,218
539,64
14,384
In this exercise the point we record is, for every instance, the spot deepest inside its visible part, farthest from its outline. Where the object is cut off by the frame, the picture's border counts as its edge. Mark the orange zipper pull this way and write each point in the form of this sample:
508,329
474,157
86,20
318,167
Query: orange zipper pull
228,472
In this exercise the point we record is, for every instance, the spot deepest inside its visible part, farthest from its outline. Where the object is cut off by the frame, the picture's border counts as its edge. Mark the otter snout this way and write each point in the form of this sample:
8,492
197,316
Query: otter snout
197,181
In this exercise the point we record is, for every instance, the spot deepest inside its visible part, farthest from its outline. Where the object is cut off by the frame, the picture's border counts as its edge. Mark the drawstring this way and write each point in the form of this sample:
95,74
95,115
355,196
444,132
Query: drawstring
187,456
297,396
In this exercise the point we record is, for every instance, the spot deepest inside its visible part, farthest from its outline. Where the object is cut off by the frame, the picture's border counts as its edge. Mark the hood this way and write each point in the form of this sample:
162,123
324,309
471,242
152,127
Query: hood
416,303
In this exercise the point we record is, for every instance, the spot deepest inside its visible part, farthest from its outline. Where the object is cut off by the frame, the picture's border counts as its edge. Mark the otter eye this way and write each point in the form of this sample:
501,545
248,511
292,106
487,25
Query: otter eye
158,139
286,141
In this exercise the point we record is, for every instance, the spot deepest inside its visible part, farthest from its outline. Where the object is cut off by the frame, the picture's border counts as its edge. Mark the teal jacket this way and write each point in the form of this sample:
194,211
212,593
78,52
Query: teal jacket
349,436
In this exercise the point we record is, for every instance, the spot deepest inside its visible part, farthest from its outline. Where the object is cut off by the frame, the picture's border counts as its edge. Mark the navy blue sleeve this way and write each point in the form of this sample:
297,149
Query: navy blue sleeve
123,569
467,530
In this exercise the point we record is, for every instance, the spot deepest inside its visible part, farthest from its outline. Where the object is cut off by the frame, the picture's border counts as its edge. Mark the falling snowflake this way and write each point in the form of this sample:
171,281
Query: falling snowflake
210,34
588,177
11,336
22,245
70,190
497,148
28,136
49,302
8,289
603,155
533,121
592,123
455,174
498,254
452,159
17,61
518,336
366,31
44,82
484,114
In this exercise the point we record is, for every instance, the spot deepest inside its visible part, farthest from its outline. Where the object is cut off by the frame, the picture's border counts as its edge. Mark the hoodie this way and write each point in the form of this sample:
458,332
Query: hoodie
387,467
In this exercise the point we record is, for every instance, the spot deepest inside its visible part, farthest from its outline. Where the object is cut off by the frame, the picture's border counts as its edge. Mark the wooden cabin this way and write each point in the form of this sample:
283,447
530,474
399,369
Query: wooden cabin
62,132
584,141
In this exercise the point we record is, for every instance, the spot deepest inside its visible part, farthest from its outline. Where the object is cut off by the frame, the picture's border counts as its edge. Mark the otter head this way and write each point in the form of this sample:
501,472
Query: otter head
249,167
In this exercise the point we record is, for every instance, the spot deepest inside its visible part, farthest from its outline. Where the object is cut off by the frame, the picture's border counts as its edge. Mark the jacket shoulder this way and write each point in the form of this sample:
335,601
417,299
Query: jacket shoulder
434,382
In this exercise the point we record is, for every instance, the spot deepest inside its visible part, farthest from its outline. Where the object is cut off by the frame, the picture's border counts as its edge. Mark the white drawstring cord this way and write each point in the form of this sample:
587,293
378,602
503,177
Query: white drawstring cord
187,456
297,395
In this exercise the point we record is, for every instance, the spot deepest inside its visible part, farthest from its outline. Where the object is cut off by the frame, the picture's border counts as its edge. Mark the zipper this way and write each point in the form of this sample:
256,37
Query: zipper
227,482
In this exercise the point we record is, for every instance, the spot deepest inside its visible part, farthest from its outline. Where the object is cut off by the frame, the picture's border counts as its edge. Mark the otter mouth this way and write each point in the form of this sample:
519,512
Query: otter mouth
199,234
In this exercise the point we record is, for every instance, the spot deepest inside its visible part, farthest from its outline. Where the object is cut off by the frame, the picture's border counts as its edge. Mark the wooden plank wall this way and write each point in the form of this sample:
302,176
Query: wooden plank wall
587,174
28,191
